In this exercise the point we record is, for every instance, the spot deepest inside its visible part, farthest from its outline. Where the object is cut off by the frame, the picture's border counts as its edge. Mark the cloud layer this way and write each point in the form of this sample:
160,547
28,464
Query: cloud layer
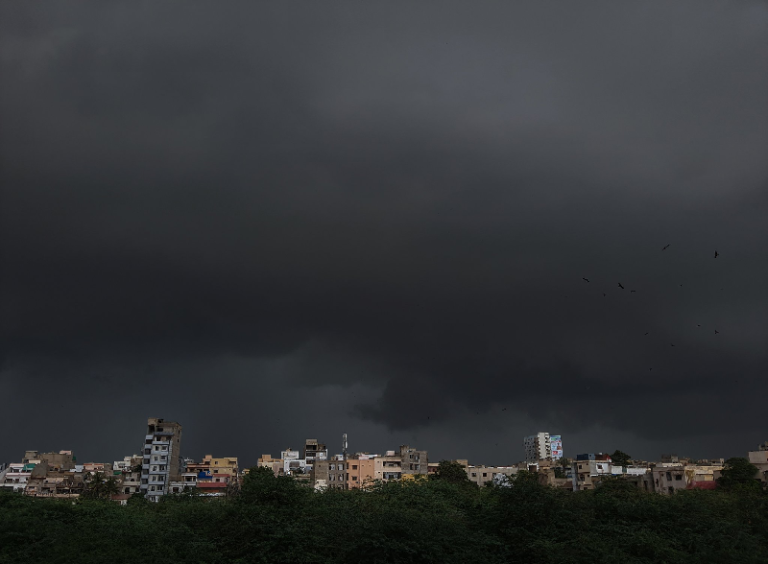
386,214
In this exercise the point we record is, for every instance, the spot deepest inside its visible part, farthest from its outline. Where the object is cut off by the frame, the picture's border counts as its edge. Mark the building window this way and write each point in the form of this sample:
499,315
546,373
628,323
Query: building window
678,478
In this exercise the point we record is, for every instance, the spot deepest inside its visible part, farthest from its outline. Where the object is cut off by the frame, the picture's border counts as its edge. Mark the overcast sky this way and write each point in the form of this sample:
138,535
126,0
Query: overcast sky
274,222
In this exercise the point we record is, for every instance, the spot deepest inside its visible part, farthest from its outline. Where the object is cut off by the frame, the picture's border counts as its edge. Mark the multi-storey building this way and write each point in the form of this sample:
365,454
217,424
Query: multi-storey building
361,470
211,475
292,464
17,476
130,473
668,477
161,460
589,469
413,461
388,467
537,447
318,476
274,464
760,459
314,450
337,472
481,475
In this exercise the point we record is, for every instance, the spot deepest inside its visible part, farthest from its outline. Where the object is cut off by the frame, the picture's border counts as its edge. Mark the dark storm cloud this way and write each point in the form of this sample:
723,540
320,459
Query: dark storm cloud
402,198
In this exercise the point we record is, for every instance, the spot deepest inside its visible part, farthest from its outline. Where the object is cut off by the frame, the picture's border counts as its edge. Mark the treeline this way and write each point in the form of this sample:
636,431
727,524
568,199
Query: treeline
445,520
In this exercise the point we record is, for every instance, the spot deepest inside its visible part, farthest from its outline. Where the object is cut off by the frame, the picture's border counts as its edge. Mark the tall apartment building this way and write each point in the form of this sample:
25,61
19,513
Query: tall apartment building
314,450
537,447
161,457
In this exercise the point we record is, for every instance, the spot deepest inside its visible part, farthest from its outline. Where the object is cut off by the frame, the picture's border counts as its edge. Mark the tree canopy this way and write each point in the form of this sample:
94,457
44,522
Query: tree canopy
620,458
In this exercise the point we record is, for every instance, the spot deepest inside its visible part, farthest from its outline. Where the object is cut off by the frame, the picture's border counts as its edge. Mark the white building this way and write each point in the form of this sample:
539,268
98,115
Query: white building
292,464
16,477
537,447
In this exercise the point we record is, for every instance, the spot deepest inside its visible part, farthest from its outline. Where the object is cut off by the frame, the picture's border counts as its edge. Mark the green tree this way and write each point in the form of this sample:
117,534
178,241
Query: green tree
452,472
619,458
97,487
261,486
739,474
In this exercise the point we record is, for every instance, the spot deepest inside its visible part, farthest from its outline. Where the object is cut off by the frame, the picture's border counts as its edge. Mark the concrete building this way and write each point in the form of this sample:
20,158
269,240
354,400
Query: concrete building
413,461
481,475
701,477
161,458
274,464
668,477
361,471
589,469
760,459
337,472
17,476
130,473
62,460
211,475
318,476
388,467
293,465
314,450
537,447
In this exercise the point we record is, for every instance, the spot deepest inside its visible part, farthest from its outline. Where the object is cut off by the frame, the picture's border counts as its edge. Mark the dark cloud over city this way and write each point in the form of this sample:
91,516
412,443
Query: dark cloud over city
277,222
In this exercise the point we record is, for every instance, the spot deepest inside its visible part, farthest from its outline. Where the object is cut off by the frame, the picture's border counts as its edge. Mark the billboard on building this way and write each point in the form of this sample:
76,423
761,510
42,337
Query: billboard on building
556,444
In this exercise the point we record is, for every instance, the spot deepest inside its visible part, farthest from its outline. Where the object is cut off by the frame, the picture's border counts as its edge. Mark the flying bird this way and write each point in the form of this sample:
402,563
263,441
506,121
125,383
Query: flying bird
646,332
585,280
632,291
620,286
698,325
716,253
672,344
603,294
716,331
666,247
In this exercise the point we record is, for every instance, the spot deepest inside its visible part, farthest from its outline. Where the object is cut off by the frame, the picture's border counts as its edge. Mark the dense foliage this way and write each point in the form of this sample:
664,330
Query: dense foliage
439,521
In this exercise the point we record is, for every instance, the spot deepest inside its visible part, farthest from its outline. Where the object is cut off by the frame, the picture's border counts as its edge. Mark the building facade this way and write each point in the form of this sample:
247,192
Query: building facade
537,447
161,458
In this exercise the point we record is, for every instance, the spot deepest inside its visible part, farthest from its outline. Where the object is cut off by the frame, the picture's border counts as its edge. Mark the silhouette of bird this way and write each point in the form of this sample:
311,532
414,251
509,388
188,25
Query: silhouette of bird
620,286
603,294
681,285
646,332
698,325
672,344
716,253
716,331
666,247
504,409
632,291
585,280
